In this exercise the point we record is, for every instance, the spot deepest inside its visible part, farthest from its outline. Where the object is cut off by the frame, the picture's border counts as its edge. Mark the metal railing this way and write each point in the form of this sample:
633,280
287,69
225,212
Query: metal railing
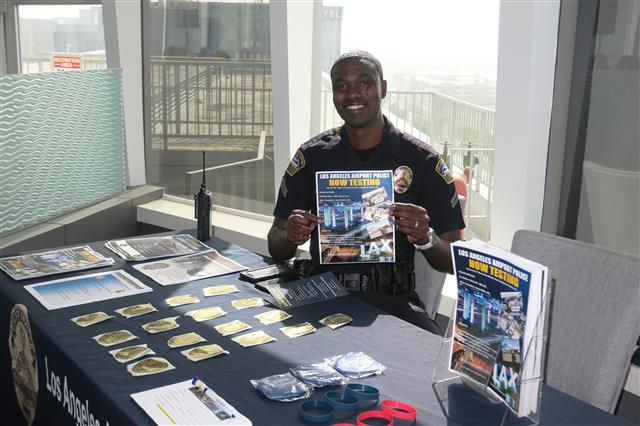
204,97
224,105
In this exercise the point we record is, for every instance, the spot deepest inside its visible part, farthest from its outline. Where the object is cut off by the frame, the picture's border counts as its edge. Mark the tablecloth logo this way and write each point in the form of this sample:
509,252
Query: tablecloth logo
24,363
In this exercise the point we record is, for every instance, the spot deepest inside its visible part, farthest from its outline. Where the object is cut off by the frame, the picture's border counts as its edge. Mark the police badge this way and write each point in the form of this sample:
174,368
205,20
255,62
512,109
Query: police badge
402,178
24,363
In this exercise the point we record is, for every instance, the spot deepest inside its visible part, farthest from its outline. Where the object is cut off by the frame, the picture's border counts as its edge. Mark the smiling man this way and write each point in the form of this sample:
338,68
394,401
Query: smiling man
426,210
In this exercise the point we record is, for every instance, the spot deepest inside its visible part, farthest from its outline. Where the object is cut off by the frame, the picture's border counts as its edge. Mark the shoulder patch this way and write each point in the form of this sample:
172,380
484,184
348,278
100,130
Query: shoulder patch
443,171
297,163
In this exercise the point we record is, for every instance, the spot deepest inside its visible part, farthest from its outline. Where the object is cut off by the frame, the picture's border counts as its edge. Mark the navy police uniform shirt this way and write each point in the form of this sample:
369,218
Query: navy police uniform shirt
420,177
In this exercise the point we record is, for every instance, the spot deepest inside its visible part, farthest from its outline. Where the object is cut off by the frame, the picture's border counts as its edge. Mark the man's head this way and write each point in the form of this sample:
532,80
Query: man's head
358,88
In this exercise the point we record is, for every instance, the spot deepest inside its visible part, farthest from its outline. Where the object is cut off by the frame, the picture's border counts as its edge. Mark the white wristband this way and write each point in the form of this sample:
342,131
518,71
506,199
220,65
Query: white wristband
432,239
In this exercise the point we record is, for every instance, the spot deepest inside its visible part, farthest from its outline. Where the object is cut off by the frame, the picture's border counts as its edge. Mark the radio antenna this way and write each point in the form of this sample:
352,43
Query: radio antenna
204,172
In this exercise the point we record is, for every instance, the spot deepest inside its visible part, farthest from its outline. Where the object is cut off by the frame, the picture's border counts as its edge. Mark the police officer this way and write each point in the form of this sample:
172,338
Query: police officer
426,209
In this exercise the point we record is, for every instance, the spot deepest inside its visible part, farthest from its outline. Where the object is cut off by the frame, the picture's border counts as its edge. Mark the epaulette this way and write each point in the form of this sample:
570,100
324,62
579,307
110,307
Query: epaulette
322,138
415,141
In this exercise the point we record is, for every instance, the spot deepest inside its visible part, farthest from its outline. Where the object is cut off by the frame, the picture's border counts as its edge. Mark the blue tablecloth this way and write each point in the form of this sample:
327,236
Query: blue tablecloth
103,386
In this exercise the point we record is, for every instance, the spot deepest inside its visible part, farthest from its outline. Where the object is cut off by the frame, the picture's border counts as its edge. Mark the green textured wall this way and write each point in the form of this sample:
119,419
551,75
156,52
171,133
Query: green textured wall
61,144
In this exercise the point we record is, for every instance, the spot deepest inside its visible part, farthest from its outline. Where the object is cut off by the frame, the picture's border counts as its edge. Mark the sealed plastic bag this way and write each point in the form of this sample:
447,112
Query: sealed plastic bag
355,365
318,375
283,387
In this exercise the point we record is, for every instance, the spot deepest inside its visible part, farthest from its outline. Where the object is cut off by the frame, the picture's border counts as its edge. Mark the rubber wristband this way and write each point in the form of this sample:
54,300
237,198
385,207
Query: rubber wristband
398,409
362,392
341,401
308,410
374,414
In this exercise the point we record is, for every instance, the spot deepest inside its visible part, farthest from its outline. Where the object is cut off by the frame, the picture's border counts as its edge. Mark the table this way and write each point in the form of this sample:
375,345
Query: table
99,386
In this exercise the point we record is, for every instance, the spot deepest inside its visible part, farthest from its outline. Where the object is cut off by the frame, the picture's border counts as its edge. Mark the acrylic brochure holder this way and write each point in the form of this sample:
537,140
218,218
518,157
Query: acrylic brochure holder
467,401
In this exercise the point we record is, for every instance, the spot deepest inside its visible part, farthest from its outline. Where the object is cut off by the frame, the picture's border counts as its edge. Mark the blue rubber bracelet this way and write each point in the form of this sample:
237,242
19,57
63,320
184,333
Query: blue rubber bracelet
362,392
316,411
341,401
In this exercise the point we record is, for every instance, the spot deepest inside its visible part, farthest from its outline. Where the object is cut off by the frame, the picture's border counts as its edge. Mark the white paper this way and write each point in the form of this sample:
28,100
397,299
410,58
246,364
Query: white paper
192,267
187,404
86,289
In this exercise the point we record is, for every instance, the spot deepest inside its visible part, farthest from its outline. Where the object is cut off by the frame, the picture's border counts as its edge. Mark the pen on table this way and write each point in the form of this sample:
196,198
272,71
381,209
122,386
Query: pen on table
199,383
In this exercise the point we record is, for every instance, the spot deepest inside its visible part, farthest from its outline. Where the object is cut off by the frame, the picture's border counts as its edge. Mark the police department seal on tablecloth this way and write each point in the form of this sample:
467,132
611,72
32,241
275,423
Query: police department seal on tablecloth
24,363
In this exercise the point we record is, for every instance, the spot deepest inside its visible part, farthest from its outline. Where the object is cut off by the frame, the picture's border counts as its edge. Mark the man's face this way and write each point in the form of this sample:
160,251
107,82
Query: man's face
357,92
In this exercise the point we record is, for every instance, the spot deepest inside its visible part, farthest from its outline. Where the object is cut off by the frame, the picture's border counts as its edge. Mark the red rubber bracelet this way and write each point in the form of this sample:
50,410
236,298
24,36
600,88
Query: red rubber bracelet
398,409
374,414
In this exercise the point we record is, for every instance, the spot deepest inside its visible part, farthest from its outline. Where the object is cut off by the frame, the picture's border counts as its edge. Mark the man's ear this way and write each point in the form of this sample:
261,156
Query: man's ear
383,89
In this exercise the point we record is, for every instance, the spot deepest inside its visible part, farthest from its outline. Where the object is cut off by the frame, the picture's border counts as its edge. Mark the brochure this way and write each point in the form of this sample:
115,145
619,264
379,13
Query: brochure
86,289
188,403
313,289
189,268
498,323
354,210
147,248
53,262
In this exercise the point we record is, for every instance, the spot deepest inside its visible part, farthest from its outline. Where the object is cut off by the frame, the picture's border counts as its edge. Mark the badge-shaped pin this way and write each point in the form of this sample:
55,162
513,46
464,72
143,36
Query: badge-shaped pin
402,178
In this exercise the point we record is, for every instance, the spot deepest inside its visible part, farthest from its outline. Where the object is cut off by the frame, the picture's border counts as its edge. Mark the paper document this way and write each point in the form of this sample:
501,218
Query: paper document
86,289
188,403
53,262
354,210
146,248
192,267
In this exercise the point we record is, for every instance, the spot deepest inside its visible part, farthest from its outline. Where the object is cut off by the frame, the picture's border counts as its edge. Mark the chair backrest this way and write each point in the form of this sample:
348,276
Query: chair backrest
613,193
594,318
429,283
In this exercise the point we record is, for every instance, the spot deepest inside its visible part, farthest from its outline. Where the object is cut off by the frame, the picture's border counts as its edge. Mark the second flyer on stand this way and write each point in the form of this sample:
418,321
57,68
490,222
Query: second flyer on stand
354,210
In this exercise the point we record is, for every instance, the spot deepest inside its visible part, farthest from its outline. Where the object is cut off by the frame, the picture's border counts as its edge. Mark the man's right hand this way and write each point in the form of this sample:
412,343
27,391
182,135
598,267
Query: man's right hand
286,235
300,225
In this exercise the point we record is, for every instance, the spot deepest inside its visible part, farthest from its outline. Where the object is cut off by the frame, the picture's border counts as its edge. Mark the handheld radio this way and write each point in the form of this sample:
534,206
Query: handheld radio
203,208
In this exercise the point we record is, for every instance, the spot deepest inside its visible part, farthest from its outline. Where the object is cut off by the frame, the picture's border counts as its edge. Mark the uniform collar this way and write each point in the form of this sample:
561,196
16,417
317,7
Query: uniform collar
389,139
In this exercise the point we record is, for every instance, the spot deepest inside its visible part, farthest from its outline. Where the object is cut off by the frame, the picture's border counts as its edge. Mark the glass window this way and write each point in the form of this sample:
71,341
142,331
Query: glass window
60,37
608,207
208,88
439,59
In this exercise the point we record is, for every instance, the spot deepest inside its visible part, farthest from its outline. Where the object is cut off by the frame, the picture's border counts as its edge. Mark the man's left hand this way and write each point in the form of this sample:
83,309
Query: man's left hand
411,220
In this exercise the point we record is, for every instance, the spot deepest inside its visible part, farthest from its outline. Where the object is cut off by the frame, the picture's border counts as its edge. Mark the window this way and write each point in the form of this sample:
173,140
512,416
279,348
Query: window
208,88
600,177
59,37
439,59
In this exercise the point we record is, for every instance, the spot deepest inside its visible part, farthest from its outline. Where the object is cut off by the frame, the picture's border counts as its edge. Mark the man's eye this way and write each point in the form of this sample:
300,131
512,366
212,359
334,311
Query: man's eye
340,86
365,83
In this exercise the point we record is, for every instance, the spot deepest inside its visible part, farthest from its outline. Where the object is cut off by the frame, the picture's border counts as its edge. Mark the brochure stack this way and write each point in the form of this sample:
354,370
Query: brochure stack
496,337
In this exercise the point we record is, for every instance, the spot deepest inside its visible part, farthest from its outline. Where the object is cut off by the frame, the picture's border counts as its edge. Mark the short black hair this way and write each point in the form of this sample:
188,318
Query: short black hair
361,55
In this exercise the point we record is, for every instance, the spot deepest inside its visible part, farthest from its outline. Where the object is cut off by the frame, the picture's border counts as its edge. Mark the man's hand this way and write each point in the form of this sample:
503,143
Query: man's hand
411,220
286,235
300,225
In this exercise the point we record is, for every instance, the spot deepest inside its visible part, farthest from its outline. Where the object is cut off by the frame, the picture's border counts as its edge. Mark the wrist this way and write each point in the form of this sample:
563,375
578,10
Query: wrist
432,240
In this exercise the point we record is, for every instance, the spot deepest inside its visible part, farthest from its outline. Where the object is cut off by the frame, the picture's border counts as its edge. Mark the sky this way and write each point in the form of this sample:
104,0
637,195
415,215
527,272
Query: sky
421,34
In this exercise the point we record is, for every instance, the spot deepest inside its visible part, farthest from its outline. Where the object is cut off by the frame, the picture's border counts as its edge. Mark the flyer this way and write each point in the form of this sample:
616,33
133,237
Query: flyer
497,322
86,289
189,268
136,249
53,262
354,210
188,403
313,289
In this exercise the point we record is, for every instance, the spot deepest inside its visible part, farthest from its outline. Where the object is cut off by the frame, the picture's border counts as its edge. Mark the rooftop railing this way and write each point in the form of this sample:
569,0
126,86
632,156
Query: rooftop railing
223,105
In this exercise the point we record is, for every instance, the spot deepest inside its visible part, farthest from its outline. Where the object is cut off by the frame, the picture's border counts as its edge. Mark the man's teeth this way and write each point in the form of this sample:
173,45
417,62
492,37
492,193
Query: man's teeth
355,107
